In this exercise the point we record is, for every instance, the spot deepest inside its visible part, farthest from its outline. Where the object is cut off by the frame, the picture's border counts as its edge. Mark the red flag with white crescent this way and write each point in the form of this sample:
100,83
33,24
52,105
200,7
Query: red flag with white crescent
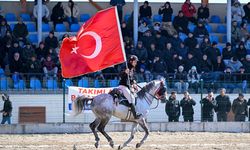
98,45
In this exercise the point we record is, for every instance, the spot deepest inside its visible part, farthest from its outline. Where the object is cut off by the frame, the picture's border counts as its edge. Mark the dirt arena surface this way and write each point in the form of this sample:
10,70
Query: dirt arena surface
156,141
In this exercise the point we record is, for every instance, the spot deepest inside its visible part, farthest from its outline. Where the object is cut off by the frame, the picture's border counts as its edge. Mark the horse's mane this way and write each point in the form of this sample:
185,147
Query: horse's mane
145,89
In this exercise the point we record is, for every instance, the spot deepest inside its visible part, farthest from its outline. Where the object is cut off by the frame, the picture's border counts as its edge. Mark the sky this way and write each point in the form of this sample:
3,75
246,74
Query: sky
161,1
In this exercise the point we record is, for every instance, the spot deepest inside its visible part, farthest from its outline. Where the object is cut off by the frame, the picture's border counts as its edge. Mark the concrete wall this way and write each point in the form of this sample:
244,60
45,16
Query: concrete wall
54,108
122,127
215,9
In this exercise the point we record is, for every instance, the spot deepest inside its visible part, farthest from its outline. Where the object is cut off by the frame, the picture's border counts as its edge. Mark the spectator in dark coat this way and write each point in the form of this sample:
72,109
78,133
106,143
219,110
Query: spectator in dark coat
57,15
191,61
205,64
4,27
212,53
141,52
219,66
49,67
182,50
223,105
174,63
227,78
119,4
234,64
205,44
191,41
189,11
145,12
20,30
7,109
187,104
197,53
227,52
200,31
28,51
246,64
159,67
41,52
241,79
34,67
16,68
241,52
203,13
15,49
175,41
181,80
247,12
168,53
208,105
172,108
125,31
148,39
152,52
239,108
51,41
167,12
160,41
181,23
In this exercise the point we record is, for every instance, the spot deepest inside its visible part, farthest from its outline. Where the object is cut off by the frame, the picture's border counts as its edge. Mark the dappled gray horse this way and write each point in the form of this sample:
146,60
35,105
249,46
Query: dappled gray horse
104,107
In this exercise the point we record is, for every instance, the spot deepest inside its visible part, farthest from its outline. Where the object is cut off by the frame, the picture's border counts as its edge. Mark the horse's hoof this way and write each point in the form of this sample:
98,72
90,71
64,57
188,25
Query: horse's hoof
138,145
111,143
96,145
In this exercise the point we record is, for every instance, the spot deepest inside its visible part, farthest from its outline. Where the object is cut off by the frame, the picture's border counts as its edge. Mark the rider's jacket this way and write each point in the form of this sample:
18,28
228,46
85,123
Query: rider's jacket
124,76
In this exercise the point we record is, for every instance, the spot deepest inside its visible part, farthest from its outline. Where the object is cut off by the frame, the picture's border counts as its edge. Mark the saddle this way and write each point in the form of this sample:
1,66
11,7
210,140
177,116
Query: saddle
118,97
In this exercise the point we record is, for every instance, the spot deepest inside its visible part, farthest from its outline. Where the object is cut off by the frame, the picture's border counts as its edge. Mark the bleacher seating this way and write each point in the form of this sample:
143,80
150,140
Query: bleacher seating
157,18
126,17
51,84
113,83
182,36
3,84
10,17
33,38
35,84
46,27
84,17
25,17
83,83
31,27
214,38
191,27
61,28
74,28
68,82
20,85
215,19
209,28
221,29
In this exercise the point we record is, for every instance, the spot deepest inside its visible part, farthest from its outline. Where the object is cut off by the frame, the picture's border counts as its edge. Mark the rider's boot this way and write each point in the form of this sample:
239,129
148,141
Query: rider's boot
134,112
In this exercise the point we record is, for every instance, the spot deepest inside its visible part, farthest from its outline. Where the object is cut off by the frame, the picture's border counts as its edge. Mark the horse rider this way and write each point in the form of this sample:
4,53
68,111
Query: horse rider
127,83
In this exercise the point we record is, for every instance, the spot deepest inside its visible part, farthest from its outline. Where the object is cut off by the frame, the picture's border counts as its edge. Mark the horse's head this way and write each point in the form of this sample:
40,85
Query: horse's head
160,90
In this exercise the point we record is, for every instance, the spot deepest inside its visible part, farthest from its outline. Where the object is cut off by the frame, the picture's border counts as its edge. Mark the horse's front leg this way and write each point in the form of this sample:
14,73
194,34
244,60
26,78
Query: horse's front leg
144,125
130,138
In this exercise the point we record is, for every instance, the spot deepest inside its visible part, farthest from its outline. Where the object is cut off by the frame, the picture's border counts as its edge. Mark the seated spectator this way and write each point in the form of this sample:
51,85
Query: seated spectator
167,12
190,62
143,28
181,80
208,105
4,27
203,13
160,41
16,67
247,12
187,104
173,64
213,52
168,52
200,31
219,65
145,12
246,64
168,30
227,52
71,12
41,52
197,53
57,15
20,30
205,64
237,11
181,23
182,50
241,52
53,54
228,80
193,79
239,108
172,108
147,39
157,27
175,41
45,12
28,52
125,31
141,52
189,11
241,79
51,40
33,67
205,44
247,44
234,64
15,49
235,33
243,34
49,67
159,67
191,41
208,80
152,52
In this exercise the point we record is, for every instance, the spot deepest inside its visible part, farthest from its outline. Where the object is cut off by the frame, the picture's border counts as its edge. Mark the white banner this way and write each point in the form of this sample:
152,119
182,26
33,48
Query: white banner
74,92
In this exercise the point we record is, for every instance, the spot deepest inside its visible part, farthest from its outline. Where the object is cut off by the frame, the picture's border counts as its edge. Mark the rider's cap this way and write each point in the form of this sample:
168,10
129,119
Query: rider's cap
133,57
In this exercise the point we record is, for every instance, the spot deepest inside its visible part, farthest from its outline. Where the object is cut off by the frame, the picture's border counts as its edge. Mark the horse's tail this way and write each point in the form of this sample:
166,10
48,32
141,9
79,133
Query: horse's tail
79,103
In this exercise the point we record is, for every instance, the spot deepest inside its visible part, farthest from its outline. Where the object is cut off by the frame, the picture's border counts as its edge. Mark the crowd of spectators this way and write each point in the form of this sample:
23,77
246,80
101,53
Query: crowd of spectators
160,49
210,105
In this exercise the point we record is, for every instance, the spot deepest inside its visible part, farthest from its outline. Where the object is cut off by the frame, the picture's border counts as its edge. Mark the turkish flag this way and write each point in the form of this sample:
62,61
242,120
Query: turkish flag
98,45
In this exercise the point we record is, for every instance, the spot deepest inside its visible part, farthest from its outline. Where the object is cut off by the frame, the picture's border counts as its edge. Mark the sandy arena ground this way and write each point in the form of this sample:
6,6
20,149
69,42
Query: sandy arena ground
156,141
